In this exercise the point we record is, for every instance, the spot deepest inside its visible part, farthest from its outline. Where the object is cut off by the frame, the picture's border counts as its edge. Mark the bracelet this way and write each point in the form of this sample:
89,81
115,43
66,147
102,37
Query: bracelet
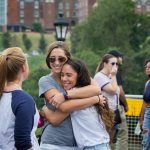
98,100
66,96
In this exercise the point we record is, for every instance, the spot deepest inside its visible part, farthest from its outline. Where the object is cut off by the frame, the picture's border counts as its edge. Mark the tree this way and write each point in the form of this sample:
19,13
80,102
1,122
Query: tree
6,40
112,24
42,43
115,24
27,42
37,27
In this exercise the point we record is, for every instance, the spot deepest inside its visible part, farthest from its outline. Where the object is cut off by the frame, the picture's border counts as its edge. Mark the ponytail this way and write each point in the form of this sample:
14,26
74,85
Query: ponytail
3,72
11,61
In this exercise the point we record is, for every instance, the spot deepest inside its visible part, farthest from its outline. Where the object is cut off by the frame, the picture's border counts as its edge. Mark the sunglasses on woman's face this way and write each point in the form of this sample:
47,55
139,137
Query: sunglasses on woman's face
147,67
60,59
114,63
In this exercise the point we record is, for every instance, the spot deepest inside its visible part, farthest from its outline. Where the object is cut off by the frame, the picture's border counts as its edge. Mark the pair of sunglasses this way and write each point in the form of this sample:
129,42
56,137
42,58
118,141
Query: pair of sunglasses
148,67
60,59
114,63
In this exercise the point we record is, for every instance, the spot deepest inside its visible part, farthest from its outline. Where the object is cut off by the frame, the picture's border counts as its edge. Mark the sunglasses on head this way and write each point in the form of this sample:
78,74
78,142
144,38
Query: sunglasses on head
114,63
60,59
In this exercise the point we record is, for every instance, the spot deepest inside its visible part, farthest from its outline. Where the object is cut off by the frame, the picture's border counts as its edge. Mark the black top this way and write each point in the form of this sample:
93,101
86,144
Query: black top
146,95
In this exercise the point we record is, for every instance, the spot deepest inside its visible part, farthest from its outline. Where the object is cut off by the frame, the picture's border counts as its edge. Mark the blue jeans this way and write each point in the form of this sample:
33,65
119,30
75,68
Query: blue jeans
104,146
146,130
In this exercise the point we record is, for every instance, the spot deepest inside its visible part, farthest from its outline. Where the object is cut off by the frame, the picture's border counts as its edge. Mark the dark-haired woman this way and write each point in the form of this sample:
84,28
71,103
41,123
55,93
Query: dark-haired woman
89,129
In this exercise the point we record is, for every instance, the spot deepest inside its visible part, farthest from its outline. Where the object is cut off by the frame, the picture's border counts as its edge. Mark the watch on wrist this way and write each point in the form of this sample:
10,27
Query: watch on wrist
66,96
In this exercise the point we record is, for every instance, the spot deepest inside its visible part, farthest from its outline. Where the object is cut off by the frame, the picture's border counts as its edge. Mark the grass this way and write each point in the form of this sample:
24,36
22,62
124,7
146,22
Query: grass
33,36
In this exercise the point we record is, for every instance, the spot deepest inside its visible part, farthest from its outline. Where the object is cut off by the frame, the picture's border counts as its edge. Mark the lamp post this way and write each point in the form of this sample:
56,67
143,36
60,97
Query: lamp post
61,27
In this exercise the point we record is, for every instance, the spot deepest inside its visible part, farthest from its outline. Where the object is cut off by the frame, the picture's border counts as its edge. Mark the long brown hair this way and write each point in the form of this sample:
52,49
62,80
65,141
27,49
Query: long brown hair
107,115
11,61
57,44
84,79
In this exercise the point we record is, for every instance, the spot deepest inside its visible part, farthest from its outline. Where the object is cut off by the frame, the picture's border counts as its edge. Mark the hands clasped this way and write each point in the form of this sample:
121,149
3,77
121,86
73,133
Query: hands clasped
57,99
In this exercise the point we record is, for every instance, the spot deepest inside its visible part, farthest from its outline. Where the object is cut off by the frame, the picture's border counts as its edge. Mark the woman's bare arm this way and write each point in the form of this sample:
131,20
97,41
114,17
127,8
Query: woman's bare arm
78,104
85,92
55,117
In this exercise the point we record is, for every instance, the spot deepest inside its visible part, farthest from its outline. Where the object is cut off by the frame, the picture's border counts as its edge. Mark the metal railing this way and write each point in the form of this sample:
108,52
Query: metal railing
134,103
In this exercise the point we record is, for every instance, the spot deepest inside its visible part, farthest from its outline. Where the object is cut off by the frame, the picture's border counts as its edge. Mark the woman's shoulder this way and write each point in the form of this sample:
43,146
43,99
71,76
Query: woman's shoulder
100,75
46,78
22,96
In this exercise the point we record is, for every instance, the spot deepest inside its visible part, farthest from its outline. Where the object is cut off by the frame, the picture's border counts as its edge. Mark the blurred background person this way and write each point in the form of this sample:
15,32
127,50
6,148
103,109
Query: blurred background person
106,80
145,112
122,134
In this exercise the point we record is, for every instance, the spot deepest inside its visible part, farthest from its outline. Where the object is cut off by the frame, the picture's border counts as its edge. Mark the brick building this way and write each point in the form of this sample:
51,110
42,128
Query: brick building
21,14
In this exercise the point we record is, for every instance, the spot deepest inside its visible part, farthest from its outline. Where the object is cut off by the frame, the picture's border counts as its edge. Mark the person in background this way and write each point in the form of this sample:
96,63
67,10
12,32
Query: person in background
58,134
145,112
106,80
19,116
122,134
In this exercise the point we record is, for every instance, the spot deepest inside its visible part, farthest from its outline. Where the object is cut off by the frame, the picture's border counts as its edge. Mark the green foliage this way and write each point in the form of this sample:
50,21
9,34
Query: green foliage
6,40
37,27
115,25
27,42
37,70
42,44
91,62
109,25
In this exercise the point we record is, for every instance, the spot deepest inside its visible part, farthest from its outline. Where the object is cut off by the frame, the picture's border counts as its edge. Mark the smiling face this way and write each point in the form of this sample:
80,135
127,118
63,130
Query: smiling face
68,77
56,59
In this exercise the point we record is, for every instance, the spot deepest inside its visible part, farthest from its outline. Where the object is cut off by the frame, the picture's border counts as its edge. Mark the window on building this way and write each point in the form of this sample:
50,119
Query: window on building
67,5
75,14
60,12
21,13
60,6
21,4
76,5
67,14
29,0
21,20
148,7
3,13
36,14
36,4
49,1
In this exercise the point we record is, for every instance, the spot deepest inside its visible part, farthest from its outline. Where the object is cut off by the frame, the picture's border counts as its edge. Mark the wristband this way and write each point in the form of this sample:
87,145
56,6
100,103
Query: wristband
66,96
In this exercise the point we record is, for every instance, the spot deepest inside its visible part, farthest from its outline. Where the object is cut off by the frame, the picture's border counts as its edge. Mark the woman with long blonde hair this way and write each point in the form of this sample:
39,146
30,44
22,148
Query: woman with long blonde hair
19,116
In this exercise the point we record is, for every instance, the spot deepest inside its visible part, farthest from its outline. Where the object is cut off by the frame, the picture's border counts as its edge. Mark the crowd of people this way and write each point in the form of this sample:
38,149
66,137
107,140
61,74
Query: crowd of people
80,112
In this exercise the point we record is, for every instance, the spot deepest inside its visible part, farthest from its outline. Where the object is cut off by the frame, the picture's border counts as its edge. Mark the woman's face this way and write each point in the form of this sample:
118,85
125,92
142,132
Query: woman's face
147,69
56,59
112,62
68,77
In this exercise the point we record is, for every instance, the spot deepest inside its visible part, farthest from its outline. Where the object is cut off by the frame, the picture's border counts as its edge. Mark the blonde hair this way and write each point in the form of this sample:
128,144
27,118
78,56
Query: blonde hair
11,61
